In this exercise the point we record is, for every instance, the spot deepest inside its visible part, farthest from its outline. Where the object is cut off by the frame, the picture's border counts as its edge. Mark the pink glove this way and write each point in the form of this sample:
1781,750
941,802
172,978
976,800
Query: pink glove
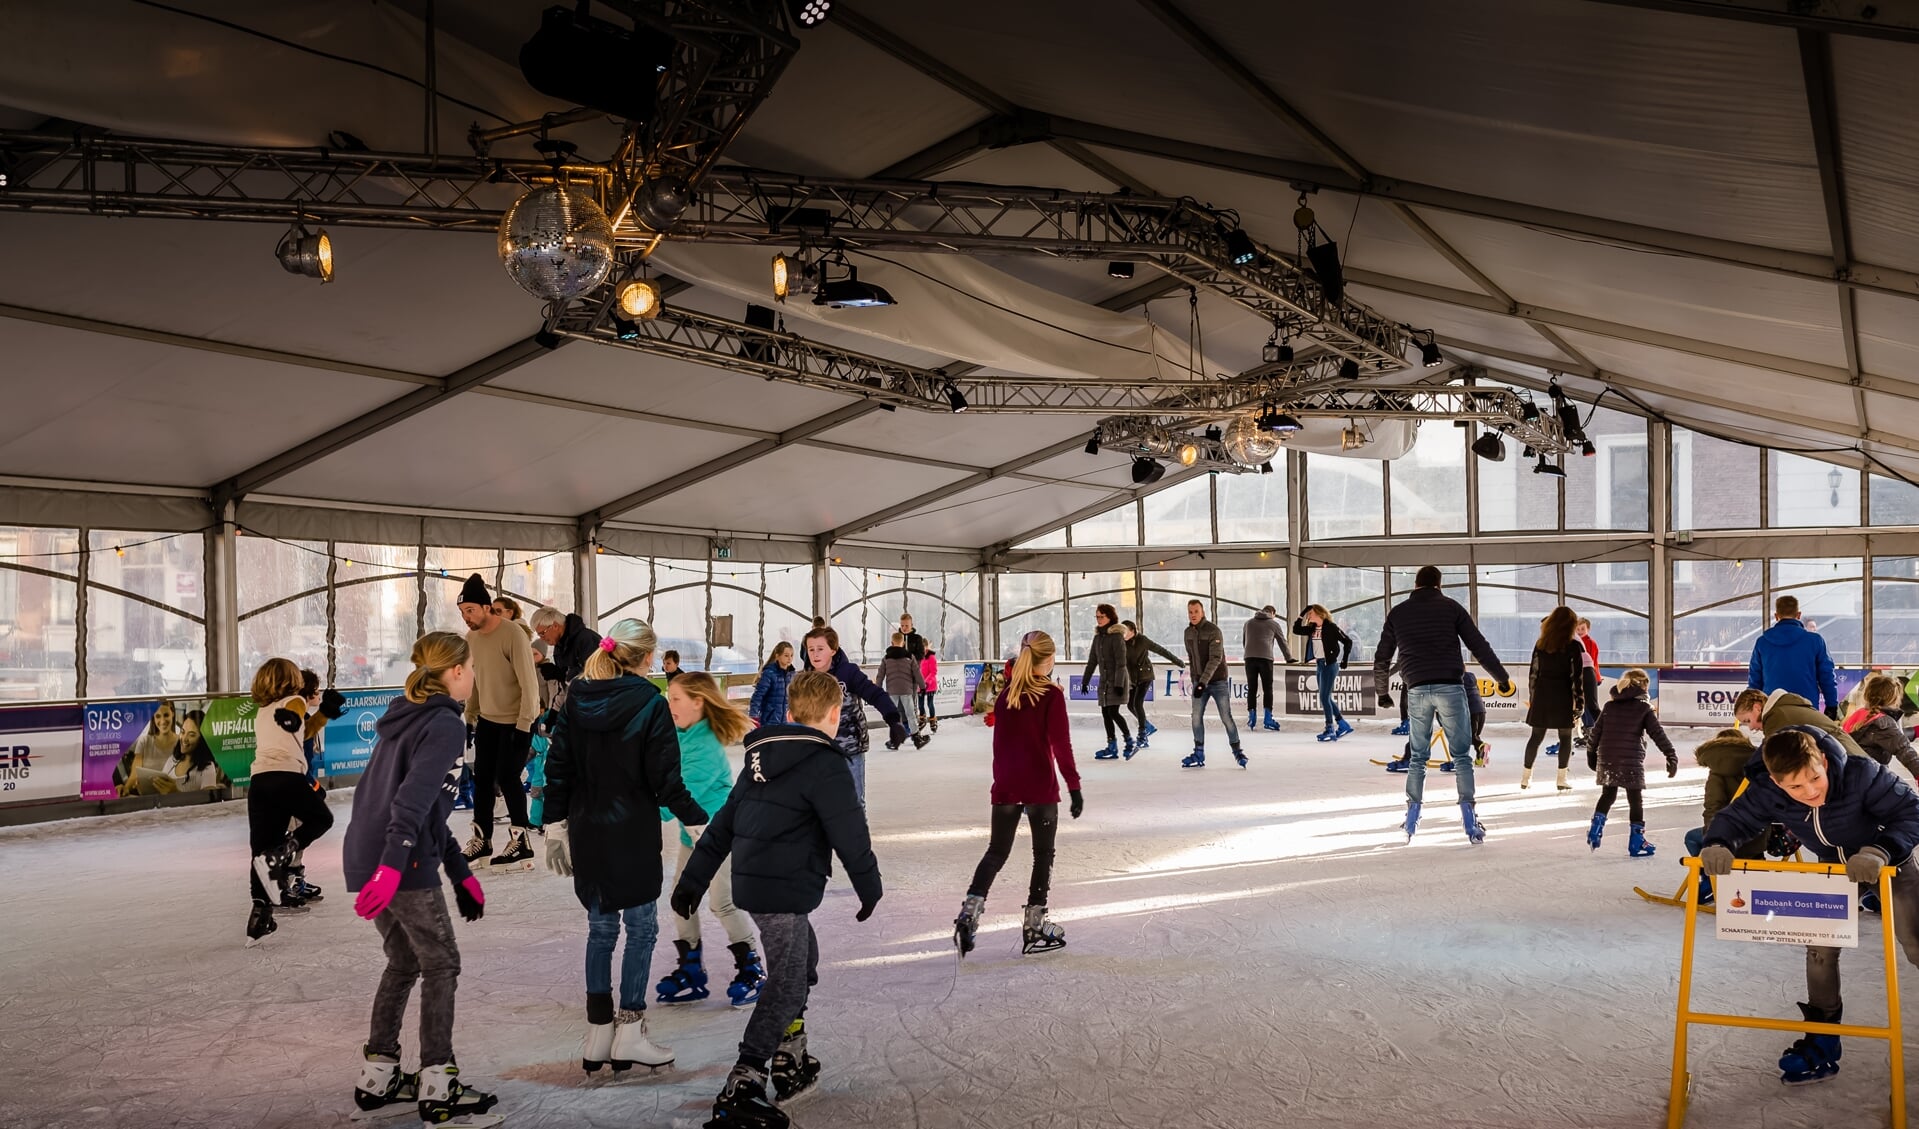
378,893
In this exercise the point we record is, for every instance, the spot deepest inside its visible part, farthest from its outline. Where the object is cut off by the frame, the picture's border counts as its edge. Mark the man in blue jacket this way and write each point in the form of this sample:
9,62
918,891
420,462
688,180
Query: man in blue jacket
1789,656
1843,809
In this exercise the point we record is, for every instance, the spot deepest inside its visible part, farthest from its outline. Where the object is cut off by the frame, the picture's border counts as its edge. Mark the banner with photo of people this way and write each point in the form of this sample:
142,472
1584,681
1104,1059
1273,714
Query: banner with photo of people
149,749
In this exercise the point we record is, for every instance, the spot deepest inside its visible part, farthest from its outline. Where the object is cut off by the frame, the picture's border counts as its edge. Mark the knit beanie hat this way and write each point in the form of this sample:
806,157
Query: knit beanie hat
474,592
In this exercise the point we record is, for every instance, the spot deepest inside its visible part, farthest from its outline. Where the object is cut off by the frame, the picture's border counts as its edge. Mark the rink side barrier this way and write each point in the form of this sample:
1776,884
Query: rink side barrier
1680,1096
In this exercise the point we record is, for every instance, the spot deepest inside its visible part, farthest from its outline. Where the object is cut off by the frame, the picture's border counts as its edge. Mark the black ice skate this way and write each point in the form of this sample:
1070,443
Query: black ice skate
743,1103
1040,935
384,1090
477,850
794,1071
445,1101
966,925
259,923
518,853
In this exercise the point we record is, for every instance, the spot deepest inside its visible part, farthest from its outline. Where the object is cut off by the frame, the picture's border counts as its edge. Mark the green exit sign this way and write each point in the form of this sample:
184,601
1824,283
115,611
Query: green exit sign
723,552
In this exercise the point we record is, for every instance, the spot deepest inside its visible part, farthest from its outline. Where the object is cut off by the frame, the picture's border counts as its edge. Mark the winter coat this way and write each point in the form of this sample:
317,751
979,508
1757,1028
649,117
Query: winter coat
1139,658
900,673
577,644
704,769
1790,657
1206,653
930,673
1882,738
792,808
405,796
1592,647
1108,657
1724,758
1866,806
768,706
855,689
915,645
1262,633
1333,645
1027,743
1428,627
1784,708
1614,746
1562,683
613,760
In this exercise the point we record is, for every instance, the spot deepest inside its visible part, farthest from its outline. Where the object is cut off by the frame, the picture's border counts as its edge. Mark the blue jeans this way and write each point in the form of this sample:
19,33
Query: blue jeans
1328,672
1219,693
1444,702
636,963
858,765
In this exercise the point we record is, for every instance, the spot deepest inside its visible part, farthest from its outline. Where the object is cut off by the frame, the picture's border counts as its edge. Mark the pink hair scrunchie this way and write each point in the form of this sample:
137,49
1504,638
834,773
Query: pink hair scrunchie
607,644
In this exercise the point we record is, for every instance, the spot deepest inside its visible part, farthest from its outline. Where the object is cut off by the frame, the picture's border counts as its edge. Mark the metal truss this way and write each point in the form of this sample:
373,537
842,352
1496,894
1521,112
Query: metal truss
1501,409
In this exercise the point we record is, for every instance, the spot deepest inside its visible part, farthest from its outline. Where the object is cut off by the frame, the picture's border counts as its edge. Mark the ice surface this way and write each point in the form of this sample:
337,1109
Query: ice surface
1245,949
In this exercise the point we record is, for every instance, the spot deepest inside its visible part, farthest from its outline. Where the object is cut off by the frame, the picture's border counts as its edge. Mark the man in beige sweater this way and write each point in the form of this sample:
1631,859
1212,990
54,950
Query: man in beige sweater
500,713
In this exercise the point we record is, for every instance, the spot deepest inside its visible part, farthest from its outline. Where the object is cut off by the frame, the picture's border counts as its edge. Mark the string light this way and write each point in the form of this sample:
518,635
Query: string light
118,551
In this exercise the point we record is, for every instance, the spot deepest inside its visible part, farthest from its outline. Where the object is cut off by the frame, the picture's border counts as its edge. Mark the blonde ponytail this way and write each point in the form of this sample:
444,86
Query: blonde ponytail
1027,685
632,643
434,654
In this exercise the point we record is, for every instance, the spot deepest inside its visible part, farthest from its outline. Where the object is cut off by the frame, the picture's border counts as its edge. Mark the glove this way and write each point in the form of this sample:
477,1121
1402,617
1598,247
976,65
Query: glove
1506,689
1716,860
1864,865
896,733
332,704
1592,759
866,910
1385,701
1832,712
471,900
1342,666
378,893
1672,767
1781,843
559,859
1079,803
469,736
685,900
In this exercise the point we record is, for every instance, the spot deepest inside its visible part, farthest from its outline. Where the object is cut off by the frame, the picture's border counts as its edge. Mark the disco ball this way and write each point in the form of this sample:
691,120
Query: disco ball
556,243
1247,444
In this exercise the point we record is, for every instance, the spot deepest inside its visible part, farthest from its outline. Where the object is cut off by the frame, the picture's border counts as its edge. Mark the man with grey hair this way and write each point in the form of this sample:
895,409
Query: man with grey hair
571,640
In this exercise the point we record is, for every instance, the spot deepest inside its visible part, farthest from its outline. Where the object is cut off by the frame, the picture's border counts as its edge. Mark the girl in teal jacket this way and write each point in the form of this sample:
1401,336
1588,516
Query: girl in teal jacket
707,723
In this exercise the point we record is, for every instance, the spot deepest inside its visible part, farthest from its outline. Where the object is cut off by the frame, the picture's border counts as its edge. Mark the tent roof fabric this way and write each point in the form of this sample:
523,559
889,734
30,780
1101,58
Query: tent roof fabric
1624,197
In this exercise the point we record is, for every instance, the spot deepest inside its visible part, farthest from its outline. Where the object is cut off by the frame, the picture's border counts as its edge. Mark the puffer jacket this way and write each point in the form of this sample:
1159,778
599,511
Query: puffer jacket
577,644
1615,748
1206,653
1428,626
1786,709
1109,660
704,768
612,762
856,692
1882,738
1788,656
768,705
1139,658
899,672
1866,806
792,808
1724,757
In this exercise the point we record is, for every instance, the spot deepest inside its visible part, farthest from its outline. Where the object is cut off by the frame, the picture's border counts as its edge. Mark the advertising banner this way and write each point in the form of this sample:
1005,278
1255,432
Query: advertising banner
1699,696
229,733
1505,707
40,753
969,685
1353,691
349,738
1788,909
148,749
952,696
113,730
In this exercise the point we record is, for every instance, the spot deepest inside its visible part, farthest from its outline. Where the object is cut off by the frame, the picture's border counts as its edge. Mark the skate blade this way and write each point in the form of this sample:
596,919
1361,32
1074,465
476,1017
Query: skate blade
471,1120
391,1109
643,1067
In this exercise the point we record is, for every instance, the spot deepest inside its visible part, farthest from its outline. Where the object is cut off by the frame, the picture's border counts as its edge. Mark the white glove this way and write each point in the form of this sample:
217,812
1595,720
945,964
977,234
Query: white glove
558,859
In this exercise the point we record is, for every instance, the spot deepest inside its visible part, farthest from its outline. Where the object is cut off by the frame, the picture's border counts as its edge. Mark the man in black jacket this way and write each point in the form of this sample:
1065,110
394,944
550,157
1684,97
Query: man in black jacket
572,641
793,807
1426,632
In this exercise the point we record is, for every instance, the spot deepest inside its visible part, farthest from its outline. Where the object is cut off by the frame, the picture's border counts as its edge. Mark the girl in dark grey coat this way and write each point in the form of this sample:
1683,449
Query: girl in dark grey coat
1617,755
1108,657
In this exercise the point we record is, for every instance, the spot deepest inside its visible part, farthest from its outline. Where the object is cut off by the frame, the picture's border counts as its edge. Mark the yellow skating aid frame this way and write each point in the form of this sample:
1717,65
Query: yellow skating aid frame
1681,1093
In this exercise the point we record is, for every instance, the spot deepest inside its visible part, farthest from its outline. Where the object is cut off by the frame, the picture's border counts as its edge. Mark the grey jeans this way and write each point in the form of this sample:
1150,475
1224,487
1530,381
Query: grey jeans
1822,964
418,934
792,955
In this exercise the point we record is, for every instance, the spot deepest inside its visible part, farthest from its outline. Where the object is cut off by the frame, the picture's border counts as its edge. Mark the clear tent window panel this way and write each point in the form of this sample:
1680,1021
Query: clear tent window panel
1355,598
39,603
1429,483
1832,600
959,637
1610,488
1163,599
1514,498
1716,612
1116,527
1087,591
679,611
1344,497
539,580
146,606
1454,579
1513,599
623,586
280,588
1243,591
1050,619
447,570
1615,596
1805,492
1180,515
1252,507
1892,501
1895,611
376,615
1715,482
736,592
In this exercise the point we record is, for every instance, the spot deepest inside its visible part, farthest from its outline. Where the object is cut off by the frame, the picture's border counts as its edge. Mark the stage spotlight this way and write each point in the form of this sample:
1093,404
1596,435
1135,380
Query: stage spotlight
1551,469
1527,452
625,329
851,293
1528,410
783,273
1349,369
1214,433
1490,447
1266,467
810,13
1569,422
1188,454
1325,260
1147,471
1240,248
640,298
1429,354
304,254
1279,422
1092,445
1587,449
578,60
1119,268
954,398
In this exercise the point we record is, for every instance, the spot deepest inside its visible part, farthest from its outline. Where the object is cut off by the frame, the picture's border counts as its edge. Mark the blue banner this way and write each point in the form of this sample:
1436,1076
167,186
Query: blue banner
349,738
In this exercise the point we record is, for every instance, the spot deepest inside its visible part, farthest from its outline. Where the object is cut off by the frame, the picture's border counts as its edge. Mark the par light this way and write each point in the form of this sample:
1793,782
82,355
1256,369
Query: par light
1279,422
1325,260
304,254
1528,452
1349,369
1552,470
1587,449
625,329
954,398
782,277
1147,471
1240,249
1569,422
1188,454
1092,445
640,298
850,293
1266,467
1214,434
1528,410
1429,354
1490,447
1119,268
662,200
810,13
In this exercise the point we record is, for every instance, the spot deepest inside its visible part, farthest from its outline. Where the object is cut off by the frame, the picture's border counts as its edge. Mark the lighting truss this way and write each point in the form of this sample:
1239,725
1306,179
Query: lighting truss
1501,409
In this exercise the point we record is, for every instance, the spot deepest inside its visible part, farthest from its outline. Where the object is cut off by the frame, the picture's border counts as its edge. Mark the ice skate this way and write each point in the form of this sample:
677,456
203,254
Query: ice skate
1239,756
1403,764
1598,830
596,1049
1636,845
743,1103
1197,760
920,740
1252,721
478,849
966,925
1149,730
794,1071
1469,823
748,975
1564,782
384,1090
1525,778
1343,729
1136,746
1270,725
631,1047
1813,1058
260,922
1038,934
687,983
444,1100
1400,730
1412,819
1109,753
1126,751
1326,735
518,853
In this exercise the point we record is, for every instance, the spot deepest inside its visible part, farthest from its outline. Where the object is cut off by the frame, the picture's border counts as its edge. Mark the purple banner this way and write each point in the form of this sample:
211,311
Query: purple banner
111,732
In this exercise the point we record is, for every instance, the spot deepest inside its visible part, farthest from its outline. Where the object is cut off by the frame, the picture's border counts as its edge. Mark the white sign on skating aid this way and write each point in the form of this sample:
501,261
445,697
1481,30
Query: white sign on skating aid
1779,908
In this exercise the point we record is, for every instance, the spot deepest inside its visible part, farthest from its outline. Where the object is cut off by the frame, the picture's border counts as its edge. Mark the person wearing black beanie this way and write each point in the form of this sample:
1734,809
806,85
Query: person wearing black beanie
500,713
474,592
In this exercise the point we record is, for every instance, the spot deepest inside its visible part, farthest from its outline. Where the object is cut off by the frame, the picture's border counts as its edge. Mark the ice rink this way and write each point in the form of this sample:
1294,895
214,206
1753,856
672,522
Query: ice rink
1246,948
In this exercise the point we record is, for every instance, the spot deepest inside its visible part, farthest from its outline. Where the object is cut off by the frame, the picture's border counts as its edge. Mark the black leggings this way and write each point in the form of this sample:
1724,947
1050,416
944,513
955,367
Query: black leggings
274,799
1635,811
1110,715
1565,746
499,757
1136,701
1045,822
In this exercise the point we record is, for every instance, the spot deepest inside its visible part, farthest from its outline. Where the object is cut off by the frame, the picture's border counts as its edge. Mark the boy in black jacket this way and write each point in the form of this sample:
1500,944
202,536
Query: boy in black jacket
792,805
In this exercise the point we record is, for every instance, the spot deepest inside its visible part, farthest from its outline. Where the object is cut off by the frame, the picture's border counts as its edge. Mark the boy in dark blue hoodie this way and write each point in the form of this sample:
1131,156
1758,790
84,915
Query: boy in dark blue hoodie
792,808
395,847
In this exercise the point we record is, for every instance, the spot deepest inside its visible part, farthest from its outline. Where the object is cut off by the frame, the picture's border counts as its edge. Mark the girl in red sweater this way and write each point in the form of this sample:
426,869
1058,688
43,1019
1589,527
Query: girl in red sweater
1029,737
